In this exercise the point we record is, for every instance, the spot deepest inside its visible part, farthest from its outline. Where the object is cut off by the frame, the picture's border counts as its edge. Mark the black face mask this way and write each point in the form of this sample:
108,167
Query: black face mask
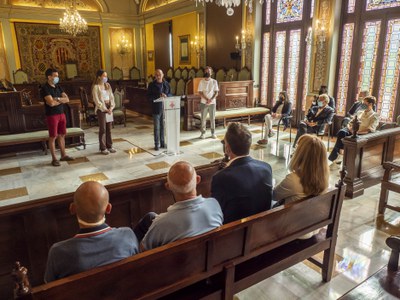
207,75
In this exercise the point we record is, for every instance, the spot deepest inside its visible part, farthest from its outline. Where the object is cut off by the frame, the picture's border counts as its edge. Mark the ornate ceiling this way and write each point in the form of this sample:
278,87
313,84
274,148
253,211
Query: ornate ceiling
88,5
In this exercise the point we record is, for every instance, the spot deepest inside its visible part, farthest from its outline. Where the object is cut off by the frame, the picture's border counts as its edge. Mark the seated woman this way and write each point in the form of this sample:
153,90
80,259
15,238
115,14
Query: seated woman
309,173
282,107
368,119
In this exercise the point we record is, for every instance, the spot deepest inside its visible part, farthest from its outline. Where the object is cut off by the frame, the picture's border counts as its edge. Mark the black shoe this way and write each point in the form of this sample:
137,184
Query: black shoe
162,146
156,148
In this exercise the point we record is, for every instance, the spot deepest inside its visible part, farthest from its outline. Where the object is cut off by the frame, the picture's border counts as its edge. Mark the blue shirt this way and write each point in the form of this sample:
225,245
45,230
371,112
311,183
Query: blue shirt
183,219
90,248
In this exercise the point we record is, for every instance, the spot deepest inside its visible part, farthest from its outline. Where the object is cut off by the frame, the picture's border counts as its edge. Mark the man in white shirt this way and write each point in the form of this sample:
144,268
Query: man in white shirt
208,90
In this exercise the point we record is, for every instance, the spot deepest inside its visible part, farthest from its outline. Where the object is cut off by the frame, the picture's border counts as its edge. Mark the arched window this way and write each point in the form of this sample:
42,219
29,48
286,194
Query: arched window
370,52
285,50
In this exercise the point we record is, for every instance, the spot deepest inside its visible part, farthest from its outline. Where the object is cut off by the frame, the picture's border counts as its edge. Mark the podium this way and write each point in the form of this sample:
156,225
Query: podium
172,119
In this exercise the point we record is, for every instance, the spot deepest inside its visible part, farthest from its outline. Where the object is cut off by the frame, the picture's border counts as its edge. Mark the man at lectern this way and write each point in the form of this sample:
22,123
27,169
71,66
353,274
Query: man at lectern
208,90
159,88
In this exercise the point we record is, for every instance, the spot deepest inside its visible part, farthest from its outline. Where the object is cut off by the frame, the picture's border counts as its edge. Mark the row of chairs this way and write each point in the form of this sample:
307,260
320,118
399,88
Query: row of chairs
117,73
220,75
88,108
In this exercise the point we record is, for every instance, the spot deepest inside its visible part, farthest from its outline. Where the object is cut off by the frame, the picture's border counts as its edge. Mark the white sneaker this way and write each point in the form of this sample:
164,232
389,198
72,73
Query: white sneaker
339,159
202,136
105,152
112,150
213,136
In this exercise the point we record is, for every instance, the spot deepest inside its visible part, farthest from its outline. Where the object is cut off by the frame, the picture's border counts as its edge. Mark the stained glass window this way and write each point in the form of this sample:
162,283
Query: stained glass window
289,11
368,56
344,68
306,75
293,70
390,71
279,67
381,4
268,12
350,7
312,9
265,68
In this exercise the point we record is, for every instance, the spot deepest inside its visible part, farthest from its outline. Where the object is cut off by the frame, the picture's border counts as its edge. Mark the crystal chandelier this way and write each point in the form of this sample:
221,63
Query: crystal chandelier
72,22
228,4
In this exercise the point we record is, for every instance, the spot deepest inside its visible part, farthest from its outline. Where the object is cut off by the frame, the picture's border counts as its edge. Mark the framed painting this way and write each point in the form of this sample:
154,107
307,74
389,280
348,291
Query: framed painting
150,55
184,50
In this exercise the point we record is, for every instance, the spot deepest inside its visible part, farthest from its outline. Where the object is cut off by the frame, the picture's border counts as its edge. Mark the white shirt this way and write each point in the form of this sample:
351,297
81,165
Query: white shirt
208,87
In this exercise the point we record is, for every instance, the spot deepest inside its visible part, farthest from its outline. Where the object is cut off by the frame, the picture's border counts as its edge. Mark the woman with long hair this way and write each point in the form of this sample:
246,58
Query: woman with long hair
309,171
103,98
282,107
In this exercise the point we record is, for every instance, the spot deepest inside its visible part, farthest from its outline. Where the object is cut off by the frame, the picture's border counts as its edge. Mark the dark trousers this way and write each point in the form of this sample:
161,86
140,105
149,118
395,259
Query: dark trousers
303,128
144,224
105,139
158,120
339,143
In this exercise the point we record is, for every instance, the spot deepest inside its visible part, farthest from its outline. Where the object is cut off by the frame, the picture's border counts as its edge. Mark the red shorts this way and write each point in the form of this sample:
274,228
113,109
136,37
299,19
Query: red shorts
57,125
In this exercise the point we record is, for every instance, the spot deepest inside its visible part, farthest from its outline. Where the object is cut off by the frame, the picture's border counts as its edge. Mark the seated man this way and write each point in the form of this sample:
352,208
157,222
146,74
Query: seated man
368,119
190,215
96,243
324,90
316,118
244,187
357,106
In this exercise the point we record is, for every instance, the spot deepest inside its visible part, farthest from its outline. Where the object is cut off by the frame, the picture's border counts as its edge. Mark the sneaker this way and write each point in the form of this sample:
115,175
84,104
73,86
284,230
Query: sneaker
105,152
55,163
271,133
202,136
333,165
262,142
213,136
66,158
339,159
112,150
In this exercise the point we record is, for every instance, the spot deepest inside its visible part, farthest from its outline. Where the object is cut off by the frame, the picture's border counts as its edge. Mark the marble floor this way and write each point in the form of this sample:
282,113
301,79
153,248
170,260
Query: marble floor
361,248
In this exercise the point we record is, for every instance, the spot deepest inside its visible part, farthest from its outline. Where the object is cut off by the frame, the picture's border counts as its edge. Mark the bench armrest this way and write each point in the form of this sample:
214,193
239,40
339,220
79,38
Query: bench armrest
388,165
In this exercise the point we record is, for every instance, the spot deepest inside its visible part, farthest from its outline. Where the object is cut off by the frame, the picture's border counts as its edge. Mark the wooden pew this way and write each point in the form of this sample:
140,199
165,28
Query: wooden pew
217,264
364,156
29,229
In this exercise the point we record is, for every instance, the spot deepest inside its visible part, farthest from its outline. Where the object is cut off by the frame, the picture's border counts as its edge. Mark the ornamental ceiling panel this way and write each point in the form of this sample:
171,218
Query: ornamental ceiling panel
88,5
153,4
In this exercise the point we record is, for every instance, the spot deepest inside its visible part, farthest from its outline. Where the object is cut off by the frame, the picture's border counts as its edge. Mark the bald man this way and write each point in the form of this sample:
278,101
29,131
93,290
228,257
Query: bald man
159,88
190,215
96,243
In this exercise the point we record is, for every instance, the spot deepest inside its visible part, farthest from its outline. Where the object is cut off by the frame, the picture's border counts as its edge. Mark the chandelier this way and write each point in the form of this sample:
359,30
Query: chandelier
72,22
229,4
123,46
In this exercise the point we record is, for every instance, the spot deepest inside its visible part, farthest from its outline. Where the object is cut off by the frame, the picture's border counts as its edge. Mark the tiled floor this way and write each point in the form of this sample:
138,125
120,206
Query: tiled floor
361,248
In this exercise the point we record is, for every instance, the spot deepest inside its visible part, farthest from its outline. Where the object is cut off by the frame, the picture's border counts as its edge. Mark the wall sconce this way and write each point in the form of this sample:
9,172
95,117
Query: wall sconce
197,45
242,45
123,46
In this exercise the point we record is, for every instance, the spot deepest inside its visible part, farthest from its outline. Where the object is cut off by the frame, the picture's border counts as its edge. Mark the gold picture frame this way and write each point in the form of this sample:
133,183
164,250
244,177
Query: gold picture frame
184,49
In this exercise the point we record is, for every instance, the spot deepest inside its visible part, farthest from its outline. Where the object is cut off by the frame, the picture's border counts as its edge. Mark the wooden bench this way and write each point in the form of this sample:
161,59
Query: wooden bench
217,264
364,156
41,136
389,184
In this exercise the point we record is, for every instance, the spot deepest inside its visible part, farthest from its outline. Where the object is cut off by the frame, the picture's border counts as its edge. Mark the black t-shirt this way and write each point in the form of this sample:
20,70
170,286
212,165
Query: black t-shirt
56,91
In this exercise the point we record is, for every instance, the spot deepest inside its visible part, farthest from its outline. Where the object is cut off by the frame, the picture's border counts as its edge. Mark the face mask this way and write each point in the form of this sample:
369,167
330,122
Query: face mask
364,106
320,104
105,79
56,80
282,98
207,75
360,99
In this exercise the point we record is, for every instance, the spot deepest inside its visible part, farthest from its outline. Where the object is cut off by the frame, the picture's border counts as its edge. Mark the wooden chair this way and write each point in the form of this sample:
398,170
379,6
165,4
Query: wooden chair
172,85
119,110
178,73
231,75
244,74
185,74
20,76
87,108
192,73
200,72
180,87
220,75
116,73
134,73
389,184
170,73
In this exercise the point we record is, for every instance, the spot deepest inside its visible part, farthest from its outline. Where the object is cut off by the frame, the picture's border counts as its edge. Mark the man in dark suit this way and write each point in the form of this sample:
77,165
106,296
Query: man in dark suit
324,90
244,187
316,119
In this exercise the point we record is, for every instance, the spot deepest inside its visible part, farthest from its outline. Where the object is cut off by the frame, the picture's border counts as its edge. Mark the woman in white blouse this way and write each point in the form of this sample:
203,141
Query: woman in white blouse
103,98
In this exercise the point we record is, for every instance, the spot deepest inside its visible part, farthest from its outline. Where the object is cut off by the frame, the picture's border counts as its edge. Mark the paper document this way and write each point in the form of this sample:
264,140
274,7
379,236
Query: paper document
159,100
109,118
